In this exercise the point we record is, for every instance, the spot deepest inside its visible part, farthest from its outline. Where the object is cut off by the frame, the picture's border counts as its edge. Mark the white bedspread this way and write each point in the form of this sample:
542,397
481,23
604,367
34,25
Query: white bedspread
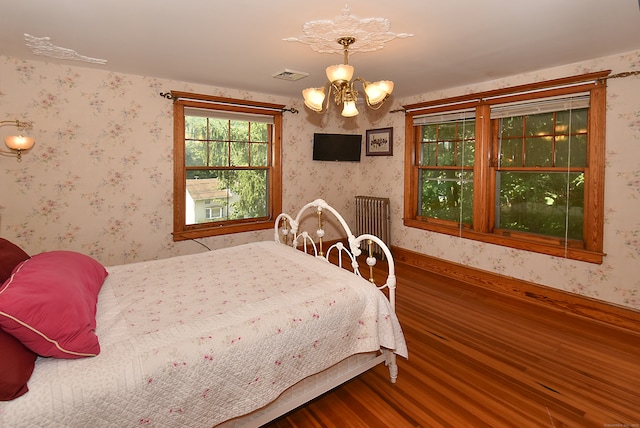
195,340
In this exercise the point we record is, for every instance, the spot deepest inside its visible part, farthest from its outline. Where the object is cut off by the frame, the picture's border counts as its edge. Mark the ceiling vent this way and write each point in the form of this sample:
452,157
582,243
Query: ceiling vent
290,75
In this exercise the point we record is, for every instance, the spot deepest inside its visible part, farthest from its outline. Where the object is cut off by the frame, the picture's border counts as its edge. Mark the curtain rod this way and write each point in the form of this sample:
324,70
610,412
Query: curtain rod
595,77
176,95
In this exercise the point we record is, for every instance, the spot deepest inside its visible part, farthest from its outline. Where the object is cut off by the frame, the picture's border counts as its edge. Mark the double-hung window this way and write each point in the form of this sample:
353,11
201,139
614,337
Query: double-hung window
227,165
521,167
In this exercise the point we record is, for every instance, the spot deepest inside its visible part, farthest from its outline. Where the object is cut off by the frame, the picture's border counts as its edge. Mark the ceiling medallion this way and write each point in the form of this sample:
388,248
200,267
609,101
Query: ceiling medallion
347,34
370,33
43,46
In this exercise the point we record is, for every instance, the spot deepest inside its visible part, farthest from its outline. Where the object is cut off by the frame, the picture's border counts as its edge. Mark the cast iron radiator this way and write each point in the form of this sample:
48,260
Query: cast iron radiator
374,217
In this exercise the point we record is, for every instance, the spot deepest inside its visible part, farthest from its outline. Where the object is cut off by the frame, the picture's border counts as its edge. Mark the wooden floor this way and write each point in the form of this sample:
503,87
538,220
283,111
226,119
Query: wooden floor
478,359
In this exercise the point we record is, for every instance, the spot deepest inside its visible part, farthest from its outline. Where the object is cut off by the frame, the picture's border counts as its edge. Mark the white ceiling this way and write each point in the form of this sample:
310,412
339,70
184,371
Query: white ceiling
239,43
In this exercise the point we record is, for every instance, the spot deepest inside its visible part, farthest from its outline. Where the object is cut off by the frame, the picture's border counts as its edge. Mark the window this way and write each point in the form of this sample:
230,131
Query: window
227,171
521,167
214,213
445,167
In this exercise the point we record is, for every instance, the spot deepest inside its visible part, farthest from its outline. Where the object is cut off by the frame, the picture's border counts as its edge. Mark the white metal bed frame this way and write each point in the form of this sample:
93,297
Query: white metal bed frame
286,229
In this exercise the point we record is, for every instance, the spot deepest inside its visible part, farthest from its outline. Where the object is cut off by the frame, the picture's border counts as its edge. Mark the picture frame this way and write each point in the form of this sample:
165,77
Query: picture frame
379,142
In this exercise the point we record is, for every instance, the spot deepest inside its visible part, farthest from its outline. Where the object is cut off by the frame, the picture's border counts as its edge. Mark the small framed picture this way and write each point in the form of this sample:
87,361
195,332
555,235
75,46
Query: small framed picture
380,142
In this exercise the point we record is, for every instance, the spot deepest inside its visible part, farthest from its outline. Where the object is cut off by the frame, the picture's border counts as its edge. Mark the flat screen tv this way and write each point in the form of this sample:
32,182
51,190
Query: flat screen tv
337,147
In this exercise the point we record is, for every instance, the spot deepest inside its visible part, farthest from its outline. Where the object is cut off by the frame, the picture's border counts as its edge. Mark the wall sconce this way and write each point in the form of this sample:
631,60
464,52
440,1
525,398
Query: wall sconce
17,143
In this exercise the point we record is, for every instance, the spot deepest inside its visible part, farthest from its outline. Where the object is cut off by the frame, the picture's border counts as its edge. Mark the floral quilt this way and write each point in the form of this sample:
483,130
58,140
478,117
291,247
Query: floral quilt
197,340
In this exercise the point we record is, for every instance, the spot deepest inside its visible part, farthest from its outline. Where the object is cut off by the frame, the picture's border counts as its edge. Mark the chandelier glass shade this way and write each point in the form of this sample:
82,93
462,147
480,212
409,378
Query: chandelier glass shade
341,83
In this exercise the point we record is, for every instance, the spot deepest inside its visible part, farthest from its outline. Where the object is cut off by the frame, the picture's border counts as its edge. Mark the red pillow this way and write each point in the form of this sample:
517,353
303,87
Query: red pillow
16,367
49,304
10,256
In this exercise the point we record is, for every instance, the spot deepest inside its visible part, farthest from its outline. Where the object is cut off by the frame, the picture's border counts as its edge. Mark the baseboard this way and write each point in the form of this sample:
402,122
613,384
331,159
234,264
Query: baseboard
565,301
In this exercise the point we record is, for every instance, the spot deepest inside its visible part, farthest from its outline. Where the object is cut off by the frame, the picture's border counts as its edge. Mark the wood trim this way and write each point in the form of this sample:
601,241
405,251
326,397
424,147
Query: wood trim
529,243
529,87
275,169
410,172
179,172
564,301
482,172
217,230
595,174
224,100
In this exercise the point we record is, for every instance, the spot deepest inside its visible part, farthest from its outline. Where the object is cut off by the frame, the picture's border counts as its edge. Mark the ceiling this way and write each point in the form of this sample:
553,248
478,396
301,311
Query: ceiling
240,43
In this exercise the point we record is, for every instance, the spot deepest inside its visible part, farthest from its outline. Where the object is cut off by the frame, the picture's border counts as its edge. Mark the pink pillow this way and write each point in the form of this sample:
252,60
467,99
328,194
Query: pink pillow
49,304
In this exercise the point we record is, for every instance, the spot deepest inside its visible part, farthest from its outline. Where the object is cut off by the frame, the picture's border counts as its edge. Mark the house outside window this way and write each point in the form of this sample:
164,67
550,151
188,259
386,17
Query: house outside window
521,167
226,165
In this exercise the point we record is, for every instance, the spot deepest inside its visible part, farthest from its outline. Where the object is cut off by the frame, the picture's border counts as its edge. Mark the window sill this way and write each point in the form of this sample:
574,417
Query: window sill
520,243
200,231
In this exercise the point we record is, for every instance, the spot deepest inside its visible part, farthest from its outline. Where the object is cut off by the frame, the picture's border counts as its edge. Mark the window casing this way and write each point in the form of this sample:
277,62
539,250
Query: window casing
521,167
227,165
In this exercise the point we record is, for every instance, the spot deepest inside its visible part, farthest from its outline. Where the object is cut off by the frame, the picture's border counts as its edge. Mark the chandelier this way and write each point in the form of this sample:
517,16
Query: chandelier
341,84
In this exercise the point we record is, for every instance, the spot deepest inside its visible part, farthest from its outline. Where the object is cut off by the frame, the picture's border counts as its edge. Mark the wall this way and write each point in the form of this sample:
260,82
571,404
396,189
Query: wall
616,280
100,178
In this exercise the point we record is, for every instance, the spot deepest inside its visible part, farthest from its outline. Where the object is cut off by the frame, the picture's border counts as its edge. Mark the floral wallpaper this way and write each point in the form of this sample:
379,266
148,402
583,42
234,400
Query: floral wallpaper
99,179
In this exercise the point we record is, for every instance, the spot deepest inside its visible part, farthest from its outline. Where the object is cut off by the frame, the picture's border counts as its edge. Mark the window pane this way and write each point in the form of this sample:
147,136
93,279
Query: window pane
239,130
446,195
428,154
538,151
219,129
239,154
571,138
446,153
512,126
511,152
219,153
195,153
213,196
259,132
429,133
249,190
539,124
259,152
206,193
195,128
541,203
447,131
448,144
577,121
467,129
576,146
468,152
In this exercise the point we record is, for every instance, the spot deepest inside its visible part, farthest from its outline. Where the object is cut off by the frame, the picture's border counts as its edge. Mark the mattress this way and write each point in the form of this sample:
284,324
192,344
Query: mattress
196,340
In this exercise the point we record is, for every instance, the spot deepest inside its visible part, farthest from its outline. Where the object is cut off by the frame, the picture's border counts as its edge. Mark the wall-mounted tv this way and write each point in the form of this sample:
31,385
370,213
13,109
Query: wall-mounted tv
337,147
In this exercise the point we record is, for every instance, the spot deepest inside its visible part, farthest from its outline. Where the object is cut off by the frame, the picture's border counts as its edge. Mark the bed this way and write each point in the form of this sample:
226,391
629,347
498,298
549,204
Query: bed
230,337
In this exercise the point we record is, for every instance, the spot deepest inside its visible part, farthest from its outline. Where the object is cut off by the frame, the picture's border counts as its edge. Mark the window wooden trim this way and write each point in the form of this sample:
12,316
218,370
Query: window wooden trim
182,231
591,250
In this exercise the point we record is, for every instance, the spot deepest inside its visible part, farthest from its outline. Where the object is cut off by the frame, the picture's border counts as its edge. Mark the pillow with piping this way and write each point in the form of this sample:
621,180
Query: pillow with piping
49,304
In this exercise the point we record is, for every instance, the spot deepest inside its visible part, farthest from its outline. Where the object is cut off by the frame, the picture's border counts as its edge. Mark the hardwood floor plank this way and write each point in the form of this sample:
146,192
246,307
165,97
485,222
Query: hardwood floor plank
482,359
